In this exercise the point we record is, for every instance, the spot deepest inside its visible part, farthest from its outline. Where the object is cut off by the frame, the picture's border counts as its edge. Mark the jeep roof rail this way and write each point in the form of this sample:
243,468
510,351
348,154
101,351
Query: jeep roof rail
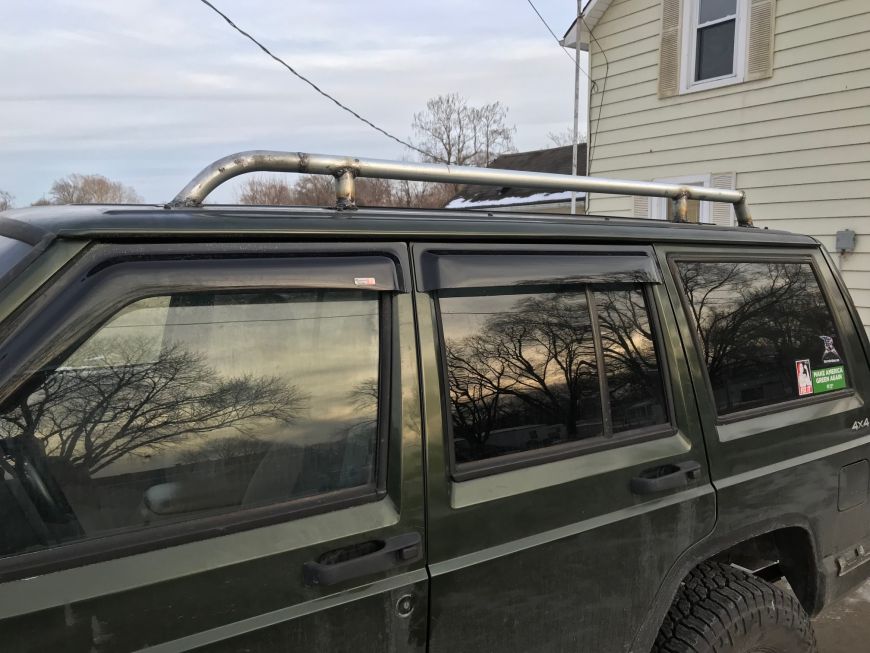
345,169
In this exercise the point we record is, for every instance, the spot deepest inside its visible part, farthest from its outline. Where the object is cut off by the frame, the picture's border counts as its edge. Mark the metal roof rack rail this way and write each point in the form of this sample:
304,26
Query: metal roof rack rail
345,169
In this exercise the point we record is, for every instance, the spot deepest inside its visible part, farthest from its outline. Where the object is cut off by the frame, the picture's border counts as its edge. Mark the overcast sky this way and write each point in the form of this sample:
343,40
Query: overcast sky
149,91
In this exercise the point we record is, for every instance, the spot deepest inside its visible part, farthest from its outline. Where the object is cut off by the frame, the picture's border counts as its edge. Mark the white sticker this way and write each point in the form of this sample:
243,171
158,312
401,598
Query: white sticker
804,377
364,281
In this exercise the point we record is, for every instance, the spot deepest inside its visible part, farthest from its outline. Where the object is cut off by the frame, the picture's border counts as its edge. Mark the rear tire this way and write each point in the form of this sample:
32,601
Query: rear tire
720,609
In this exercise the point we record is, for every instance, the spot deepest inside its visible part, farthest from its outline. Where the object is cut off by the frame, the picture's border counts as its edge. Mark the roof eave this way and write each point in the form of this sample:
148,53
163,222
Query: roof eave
592,13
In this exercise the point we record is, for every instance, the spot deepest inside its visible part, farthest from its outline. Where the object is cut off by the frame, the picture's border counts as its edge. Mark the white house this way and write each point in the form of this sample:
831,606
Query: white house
769,96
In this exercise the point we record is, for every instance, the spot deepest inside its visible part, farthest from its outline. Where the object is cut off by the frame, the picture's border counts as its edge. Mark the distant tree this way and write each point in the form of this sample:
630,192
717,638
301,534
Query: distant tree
453,131
266,191
319,190
42,201
563,137
6,200
422,195
91,189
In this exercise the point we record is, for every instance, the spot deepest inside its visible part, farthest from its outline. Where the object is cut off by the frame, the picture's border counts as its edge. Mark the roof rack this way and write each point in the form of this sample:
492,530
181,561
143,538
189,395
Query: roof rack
345,169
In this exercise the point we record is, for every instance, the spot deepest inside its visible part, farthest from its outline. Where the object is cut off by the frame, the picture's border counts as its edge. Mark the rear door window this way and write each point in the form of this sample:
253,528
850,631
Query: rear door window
548,368
765,331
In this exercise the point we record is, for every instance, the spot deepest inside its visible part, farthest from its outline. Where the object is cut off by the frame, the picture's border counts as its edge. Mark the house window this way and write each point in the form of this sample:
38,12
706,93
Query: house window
714,43
699,212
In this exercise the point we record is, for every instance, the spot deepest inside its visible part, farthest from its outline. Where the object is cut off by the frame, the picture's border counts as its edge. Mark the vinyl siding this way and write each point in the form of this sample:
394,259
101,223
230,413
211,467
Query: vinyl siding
799,141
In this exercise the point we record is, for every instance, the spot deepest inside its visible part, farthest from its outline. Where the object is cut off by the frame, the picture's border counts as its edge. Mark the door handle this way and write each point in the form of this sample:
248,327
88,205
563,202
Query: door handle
666,477
362,559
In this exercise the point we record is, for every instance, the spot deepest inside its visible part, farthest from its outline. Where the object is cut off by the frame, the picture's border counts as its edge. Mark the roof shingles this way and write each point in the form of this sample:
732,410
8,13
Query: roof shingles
554,159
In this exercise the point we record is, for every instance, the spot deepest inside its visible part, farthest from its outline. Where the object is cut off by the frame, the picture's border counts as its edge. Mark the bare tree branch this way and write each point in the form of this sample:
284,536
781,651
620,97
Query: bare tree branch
92,416
91,189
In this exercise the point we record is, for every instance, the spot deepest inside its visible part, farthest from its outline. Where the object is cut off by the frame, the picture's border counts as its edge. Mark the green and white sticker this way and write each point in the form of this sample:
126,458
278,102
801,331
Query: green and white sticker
829,378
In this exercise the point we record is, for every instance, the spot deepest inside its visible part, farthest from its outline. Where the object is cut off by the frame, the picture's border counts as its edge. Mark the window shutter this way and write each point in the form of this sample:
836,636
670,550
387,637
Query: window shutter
641,207
759,55
669,49
720,212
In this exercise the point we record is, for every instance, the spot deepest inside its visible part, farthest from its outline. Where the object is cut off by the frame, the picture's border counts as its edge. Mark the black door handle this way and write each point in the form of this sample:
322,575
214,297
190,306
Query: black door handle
362,559
666,477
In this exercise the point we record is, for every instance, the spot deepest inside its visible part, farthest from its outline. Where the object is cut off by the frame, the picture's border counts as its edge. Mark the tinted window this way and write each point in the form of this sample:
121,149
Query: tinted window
194,405
634,380
709,10
523,370
715,50
765,332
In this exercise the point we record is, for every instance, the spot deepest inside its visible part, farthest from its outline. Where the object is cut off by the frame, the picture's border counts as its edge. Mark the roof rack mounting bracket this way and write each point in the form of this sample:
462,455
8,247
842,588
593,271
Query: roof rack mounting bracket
344,191
346,169
681,208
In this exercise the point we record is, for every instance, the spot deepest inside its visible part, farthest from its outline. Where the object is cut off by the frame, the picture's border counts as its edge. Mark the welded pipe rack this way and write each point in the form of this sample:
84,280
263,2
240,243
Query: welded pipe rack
346,169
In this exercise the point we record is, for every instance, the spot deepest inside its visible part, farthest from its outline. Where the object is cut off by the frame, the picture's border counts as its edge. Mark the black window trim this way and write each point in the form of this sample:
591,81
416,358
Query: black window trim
97,287
777,257
609,440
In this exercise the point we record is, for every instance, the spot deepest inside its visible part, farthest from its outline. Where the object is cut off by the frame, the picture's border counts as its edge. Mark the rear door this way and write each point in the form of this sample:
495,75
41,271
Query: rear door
783,386
214,447
566,466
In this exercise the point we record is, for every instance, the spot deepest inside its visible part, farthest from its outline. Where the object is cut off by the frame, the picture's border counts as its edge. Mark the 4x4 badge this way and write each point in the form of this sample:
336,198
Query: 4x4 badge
861,424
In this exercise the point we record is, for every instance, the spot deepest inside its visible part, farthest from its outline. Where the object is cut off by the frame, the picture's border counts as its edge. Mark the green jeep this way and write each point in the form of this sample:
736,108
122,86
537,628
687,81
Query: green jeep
230,428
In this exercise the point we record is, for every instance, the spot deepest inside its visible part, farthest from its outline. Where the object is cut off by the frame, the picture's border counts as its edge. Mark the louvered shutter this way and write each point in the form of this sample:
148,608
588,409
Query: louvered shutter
720,212
669,49
641,207
759,55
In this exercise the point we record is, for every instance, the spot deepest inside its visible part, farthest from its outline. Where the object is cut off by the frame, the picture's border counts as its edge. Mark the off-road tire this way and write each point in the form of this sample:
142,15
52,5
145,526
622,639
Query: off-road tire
720,609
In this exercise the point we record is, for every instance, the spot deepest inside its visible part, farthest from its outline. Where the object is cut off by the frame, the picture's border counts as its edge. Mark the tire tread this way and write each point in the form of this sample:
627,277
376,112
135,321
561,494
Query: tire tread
718,605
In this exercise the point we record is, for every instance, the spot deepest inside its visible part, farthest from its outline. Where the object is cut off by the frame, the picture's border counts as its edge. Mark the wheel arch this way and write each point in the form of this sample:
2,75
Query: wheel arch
790,538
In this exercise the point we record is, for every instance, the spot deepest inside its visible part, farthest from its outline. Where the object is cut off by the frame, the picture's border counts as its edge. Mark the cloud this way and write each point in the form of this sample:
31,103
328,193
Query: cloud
149,91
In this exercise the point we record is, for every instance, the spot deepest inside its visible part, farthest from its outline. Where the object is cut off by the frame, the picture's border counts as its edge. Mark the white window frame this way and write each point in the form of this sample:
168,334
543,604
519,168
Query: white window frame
689,47
658,208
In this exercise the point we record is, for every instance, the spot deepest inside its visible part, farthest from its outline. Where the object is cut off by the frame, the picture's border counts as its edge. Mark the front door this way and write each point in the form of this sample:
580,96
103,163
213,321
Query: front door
214,447
566,466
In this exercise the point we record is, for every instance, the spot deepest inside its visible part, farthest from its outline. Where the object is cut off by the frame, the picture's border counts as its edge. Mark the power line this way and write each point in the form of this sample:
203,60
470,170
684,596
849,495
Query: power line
549,29
593,140
312,84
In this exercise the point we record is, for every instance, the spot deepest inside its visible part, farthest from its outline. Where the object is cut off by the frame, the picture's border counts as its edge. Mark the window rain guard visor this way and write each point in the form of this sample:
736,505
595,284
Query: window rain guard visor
497,269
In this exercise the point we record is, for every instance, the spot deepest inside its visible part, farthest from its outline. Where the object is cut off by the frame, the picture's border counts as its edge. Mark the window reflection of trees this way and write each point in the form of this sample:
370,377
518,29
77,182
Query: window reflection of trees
525,377
633,376
754,321
130,431
90,417
58,438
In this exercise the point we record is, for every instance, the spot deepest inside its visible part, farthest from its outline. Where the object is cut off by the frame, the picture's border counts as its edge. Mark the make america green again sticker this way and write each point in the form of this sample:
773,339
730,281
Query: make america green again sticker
829,378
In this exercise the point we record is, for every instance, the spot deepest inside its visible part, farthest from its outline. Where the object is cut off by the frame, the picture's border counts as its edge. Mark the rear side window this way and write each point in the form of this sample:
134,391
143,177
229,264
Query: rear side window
547,367
765,332
194,405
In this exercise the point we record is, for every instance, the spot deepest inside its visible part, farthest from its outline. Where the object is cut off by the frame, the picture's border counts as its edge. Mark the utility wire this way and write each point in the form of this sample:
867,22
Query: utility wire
561,47
594,138
313,85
